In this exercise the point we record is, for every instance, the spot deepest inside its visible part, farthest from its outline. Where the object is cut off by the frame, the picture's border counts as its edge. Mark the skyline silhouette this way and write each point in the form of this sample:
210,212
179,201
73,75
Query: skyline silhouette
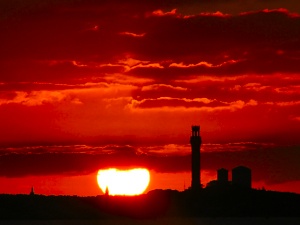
219,198
241,175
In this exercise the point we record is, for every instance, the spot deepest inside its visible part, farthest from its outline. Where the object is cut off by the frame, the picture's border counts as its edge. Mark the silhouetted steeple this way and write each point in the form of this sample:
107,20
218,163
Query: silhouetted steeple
32,191
106,191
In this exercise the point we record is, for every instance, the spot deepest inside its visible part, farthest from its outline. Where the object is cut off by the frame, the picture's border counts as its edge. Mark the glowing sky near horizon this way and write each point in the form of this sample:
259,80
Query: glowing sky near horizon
87,85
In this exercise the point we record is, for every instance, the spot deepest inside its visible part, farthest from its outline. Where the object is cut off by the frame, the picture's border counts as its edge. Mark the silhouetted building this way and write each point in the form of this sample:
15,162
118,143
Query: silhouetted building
241,177
212,184
195,141
222,180
222,176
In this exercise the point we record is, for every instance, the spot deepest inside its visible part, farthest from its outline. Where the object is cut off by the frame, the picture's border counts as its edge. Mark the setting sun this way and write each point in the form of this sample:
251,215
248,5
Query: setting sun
123,182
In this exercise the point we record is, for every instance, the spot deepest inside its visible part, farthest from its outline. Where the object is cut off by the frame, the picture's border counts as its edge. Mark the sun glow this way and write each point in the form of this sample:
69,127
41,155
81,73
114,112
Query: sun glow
123,182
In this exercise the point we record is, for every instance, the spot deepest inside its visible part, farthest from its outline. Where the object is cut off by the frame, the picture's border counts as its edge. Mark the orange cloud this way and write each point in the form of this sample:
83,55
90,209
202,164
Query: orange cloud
174,12
126,64
184,104
206,64
120,78
131,34
158,86
279,10
217,13
292,89
150,65
255,86
291,103
75,95
35,98
159,12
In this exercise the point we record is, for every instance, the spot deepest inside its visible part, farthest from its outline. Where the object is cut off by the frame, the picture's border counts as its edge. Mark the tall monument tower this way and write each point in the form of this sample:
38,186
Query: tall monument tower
195,144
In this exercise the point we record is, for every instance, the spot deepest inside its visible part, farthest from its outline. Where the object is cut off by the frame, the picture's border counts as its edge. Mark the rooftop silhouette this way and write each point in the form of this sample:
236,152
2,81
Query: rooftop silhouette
241,175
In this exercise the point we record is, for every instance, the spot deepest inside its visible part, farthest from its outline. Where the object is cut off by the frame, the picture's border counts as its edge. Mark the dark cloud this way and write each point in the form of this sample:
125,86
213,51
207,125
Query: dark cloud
263,42
272,164
13,7
262,89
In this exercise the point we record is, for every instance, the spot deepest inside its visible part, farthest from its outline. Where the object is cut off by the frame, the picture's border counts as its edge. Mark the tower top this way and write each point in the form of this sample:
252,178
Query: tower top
195,128
195,131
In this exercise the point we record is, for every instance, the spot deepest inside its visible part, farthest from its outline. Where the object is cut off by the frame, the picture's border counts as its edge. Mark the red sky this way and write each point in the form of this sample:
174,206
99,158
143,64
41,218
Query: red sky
86,85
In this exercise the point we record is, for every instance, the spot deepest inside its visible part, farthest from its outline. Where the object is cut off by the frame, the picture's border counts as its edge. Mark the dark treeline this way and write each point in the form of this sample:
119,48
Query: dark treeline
155,204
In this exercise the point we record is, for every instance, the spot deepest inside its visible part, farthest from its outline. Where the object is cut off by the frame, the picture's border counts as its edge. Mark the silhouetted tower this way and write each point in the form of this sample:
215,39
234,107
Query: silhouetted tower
241,177
222,176
195,144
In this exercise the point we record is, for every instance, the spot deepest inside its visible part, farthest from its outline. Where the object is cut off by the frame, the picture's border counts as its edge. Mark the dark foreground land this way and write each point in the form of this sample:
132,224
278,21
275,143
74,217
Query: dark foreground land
157,205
